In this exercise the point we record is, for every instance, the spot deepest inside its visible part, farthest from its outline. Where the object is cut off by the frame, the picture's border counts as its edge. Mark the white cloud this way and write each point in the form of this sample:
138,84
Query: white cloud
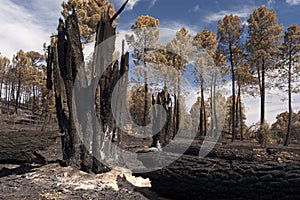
130,5
152,3
168,30
271,3
293,2
26,28
242,13
196,8
274,106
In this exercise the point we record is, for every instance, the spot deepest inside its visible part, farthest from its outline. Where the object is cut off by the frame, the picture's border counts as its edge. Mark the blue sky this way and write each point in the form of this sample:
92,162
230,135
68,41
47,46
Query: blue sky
27,24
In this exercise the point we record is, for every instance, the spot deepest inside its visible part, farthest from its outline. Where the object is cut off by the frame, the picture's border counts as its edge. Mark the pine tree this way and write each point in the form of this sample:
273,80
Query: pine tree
206,43
219,74
144,40
229,34
244,81
36,78
289,67
21,65
263,46
182,50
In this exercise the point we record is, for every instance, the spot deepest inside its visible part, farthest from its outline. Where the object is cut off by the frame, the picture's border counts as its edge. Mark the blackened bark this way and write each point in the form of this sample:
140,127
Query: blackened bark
289,101
202,109
262,104
262,100
104,91
18,93
70,58
65,61
178,106
233,94
49,82
191,177
165,135
215,106
240,112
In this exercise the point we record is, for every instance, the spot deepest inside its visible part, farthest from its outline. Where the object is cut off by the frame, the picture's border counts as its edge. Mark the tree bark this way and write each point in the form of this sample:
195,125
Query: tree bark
18,93
261,136
178,106
240,112
202,109
289,101
233,94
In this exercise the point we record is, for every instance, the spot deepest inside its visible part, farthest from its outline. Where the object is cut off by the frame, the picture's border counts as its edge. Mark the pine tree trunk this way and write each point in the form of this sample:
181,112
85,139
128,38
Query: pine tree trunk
18,94
202,107
240,113
66,63
175,115
146,109
8,97
262,102
215,105
233,94
178,113
262,106
212,118
289,102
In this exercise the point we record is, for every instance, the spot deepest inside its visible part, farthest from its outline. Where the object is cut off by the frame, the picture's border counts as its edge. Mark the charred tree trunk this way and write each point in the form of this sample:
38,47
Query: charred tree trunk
65,60
165,135
18,93
66,63
240,113
49,83
215,106
69,60
109,80
261,137
233,94
178,106
203,123
289,101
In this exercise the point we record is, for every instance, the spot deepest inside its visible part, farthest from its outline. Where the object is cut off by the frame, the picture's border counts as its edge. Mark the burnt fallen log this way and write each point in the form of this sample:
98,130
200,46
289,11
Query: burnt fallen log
191,177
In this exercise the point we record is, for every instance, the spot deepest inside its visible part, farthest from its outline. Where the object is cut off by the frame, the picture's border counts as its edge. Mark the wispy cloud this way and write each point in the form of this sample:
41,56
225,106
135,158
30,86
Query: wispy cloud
24,27
196,8
293,2
271,3
168,29
130,5
241,12
152,3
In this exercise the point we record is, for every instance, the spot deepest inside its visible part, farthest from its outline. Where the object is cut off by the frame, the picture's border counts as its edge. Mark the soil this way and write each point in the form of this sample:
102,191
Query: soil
31,168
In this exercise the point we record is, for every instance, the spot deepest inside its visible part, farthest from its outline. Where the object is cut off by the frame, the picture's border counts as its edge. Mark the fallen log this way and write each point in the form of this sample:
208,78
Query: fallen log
191,177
